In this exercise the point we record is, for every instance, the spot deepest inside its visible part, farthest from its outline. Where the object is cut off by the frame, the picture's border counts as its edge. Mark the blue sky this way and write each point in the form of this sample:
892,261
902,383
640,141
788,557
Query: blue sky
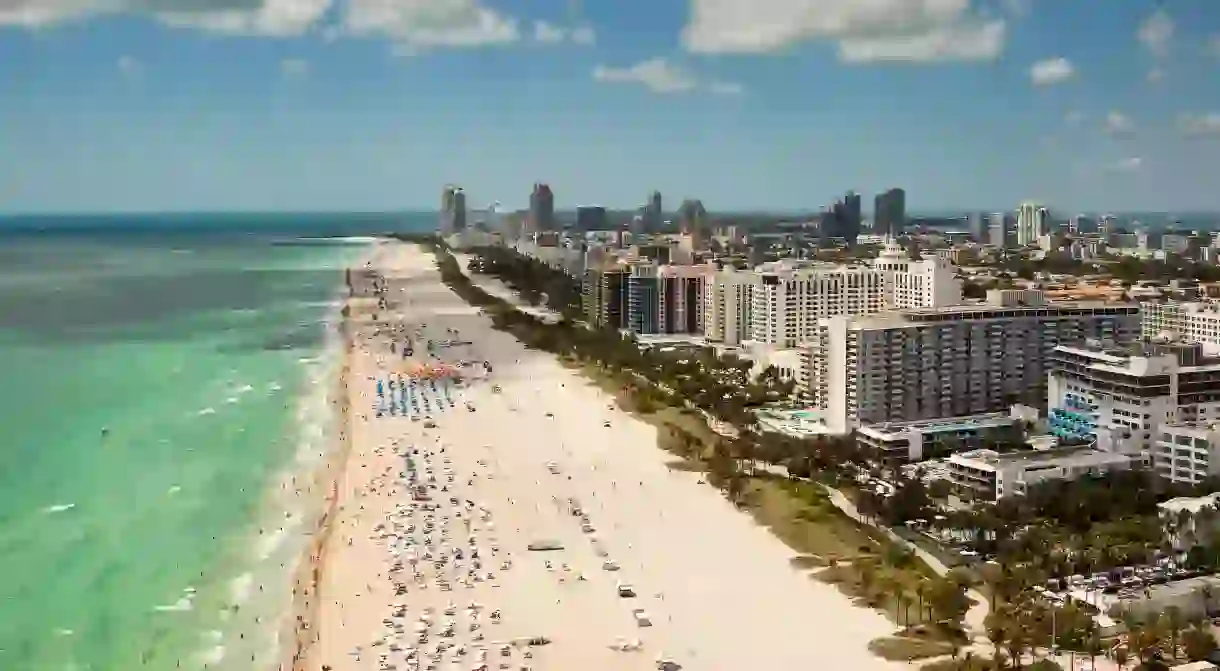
156,105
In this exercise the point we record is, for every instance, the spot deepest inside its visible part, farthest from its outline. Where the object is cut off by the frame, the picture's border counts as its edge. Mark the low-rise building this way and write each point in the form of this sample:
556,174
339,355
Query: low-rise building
904,442
988,475
1190,520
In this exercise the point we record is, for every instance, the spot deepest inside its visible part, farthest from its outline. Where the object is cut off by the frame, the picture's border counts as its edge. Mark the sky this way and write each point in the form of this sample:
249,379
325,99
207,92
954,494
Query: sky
372,105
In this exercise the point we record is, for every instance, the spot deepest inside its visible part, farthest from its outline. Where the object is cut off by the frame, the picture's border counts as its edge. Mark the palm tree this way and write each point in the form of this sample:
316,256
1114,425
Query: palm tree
1093,645
867,576
1198,642
1017,642
1173,621
890,589
997,633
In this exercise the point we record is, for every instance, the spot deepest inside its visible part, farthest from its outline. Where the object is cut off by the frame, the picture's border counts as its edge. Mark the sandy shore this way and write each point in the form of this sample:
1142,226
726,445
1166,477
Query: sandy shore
718,590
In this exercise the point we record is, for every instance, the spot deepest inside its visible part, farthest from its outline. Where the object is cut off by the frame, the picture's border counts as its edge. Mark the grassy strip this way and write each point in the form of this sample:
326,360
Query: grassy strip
907,649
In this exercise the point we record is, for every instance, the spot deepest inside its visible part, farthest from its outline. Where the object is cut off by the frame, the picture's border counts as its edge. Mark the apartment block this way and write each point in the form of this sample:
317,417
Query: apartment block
931,363
604,296
1124,397
643,299
680,298
727,297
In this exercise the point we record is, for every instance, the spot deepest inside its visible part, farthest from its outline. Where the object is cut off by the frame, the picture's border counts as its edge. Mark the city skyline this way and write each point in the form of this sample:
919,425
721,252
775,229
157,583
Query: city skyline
369,105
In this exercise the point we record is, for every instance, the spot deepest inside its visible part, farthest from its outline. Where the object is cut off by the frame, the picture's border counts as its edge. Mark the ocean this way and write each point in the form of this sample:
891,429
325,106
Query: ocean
162,379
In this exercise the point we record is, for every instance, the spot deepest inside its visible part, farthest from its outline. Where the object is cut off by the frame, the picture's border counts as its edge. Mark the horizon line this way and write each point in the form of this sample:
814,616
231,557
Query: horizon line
950,211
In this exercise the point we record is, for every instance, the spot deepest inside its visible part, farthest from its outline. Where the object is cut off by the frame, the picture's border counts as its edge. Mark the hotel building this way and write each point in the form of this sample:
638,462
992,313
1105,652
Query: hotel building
930,363
1125,397
1191,321
779,304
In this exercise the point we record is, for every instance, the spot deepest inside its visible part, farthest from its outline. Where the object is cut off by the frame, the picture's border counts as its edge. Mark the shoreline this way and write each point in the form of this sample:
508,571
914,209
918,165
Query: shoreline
309,573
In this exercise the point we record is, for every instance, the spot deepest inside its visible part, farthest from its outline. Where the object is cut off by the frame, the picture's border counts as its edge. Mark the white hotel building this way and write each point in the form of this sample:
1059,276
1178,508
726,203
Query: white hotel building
1157,400
1190,321
779,304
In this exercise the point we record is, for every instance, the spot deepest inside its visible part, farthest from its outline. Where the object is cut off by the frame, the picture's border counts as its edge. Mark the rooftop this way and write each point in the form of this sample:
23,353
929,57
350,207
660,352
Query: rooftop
1193,504
1063,457
947,424
981,306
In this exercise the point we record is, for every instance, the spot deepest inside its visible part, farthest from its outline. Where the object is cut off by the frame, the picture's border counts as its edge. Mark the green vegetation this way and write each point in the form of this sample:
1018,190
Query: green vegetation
972,662
1092,524
908,648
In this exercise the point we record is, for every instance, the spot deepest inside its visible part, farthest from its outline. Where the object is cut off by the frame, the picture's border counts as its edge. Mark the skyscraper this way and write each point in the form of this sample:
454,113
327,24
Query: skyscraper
890,212
978,227
693,221
997,226
459,211
1032,223
652,212
446,221
591,218
842,220
542,208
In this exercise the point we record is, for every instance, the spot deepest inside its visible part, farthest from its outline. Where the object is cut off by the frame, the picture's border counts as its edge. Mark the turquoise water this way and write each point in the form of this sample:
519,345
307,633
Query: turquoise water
154,393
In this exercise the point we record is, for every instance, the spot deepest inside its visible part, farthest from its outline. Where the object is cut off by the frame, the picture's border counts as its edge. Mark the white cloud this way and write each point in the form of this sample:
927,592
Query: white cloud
865,31
1156,33
414,24
1156,76
1052,71
1118,123
1074,117
129,67
419,25
661,76
1200,124
1016,8
725,88
549,33
294,68
656,74
1128,164
583,35
276,18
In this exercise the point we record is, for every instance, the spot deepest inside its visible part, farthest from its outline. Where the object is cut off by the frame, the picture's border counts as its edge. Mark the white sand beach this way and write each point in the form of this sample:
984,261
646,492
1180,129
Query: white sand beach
516,448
